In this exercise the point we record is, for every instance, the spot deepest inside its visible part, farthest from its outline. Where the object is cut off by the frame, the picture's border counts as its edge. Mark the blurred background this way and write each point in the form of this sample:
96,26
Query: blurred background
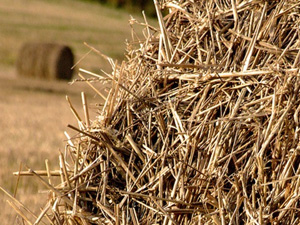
34,112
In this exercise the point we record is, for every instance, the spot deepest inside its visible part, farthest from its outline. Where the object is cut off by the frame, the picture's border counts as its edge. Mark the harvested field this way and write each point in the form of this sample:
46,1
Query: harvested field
201,124
33,121
65,22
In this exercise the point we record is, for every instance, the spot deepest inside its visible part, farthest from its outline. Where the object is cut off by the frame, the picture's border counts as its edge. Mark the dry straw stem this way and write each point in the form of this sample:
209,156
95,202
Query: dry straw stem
201,124
19,206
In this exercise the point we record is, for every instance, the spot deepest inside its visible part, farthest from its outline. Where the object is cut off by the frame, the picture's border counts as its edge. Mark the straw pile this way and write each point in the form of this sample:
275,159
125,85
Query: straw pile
201,125
48,61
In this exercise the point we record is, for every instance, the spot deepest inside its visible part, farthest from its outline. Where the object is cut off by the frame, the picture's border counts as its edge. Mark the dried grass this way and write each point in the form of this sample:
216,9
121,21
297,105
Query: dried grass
201,124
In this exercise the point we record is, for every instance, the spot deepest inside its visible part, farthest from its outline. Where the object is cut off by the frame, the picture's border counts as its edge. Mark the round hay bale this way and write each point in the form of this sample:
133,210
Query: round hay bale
45,60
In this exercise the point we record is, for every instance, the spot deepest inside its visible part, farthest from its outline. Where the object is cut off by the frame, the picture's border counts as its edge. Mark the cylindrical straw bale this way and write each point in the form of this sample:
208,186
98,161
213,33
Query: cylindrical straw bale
46,61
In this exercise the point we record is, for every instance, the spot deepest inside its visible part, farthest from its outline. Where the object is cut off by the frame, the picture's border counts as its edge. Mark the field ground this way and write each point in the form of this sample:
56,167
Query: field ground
34,114
68,22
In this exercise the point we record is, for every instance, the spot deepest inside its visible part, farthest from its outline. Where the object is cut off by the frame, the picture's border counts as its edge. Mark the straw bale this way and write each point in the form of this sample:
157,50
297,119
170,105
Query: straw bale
201,124
45,61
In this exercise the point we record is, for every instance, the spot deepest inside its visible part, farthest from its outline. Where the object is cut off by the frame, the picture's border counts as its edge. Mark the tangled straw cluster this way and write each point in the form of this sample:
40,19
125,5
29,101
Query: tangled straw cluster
201,125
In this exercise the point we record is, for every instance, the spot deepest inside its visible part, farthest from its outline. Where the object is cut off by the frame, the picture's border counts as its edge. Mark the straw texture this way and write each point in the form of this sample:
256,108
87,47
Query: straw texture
201,124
